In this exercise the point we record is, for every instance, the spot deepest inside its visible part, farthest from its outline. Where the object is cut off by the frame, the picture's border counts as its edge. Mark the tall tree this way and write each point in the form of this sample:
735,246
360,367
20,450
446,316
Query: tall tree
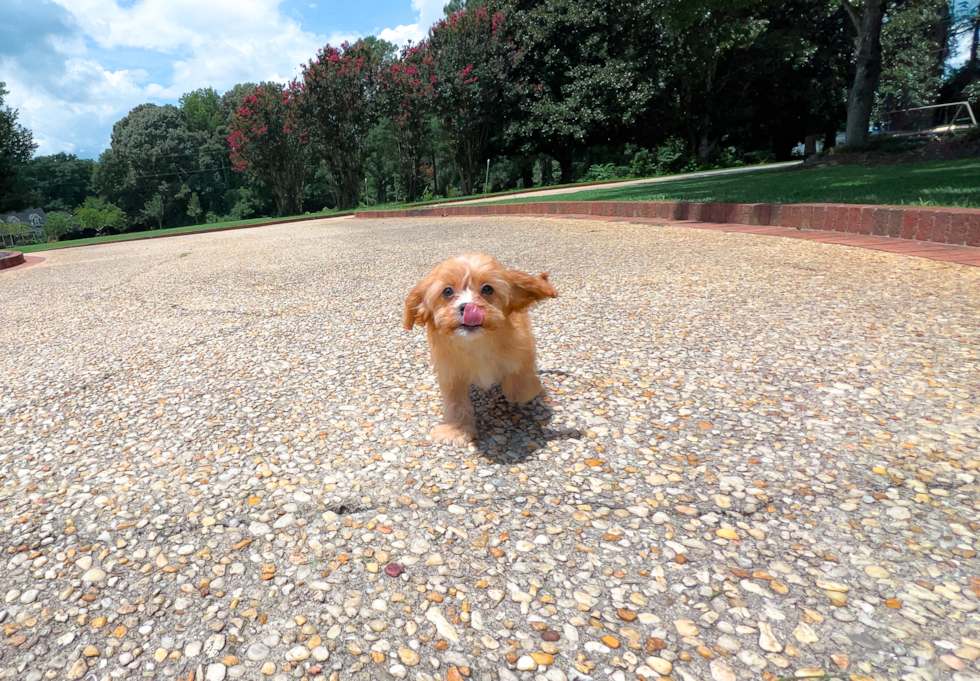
867,17
16,150
409,89
586,72
474,59
63,180
201,110
340,103
269,145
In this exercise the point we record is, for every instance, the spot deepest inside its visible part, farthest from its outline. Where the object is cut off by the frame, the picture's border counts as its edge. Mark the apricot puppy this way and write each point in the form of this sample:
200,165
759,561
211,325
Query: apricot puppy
476,316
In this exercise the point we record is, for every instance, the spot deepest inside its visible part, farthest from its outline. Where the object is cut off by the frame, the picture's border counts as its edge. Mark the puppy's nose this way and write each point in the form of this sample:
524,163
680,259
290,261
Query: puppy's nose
462,308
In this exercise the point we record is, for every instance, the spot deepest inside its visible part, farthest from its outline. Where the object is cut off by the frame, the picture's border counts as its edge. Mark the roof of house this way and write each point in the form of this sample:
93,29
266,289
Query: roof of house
25,216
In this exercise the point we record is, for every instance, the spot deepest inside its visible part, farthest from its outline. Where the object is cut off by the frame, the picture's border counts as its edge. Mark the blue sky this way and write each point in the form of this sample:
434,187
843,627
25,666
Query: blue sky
75,67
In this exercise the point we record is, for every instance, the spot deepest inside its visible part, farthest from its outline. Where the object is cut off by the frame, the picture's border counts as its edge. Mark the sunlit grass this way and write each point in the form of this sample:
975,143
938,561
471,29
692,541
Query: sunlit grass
937,183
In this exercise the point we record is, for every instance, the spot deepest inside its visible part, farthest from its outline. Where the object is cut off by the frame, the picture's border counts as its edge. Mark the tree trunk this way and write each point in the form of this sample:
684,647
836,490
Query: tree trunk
867,51
564,157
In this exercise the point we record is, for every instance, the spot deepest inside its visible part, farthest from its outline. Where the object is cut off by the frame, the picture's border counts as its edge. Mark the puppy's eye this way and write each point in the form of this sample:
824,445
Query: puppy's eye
447,292
487,290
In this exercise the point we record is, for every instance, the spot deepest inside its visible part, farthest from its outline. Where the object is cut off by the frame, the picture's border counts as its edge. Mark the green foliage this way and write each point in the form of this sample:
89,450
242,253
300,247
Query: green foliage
59,223
914,52
98,214
201,110
154,209
269,146
341,104
16,149
473,58
194,207
606,171
61,180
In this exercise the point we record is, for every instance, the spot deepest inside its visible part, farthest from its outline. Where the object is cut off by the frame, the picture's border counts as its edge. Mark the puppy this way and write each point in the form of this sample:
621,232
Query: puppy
476,316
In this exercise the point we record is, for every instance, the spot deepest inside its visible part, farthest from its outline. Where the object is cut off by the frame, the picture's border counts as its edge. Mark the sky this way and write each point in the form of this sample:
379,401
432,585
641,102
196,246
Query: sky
75,67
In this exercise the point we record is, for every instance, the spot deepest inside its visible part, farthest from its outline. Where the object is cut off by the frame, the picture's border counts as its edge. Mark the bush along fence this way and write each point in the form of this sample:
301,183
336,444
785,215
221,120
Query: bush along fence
956,226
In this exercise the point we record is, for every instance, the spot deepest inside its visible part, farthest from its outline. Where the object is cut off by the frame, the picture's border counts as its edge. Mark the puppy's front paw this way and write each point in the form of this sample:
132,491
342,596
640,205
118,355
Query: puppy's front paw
455,436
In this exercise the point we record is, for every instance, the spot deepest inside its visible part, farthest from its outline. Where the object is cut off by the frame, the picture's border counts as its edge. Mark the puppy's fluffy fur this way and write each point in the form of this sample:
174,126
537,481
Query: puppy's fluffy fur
476,316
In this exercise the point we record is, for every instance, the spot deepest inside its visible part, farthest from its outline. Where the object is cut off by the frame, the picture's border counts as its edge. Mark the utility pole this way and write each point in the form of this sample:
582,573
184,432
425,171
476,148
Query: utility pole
487,181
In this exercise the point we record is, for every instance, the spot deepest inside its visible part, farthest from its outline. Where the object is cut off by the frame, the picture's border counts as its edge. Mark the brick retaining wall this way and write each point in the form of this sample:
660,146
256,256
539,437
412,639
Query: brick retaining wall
958,226
11,259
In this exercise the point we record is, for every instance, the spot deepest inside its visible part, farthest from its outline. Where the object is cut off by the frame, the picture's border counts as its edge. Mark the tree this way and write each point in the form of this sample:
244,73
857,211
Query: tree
340,104
409,88
268,143
59,223
201,109
474,61
194,208
587,72
155,209
62,180
915,47
16,149
867,17
98,214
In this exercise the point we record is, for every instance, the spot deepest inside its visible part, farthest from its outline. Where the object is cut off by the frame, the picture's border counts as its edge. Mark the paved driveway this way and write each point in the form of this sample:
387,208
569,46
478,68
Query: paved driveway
756,456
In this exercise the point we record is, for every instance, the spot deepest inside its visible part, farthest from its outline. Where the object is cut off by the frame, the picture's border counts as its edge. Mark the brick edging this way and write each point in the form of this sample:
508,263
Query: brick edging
955,226
12,260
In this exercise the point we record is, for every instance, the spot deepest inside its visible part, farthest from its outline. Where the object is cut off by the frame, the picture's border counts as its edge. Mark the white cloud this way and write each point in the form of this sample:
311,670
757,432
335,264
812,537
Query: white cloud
429,12
70,100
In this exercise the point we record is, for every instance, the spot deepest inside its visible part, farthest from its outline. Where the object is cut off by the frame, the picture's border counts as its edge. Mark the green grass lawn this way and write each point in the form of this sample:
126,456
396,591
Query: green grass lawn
165,232
933,183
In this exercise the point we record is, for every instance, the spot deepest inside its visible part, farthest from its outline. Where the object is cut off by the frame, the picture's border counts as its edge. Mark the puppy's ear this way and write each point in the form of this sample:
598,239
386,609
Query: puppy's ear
416,311
527,289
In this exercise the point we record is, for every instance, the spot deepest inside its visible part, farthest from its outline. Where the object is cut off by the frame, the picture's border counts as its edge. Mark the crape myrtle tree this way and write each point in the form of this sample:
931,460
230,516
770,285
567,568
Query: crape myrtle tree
474,59
340,103
269,144
409,86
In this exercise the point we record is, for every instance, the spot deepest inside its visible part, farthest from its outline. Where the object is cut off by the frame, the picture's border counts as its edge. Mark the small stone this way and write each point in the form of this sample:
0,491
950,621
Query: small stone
611,642
29,596
257,652
804,634
393,569
953,662
899,513
90,651
877,572
398,671
456,510
526,663
659,665
767,641
726,533
298,654
837,598
215,672
626,615
77,669
686,628
550,636
268,669
408,657
721,671
543,658
94,575
842,661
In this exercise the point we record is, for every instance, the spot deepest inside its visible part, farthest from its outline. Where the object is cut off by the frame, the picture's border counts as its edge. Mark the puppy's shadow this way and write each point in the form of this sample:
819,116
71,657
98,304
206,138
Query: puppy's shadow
511,433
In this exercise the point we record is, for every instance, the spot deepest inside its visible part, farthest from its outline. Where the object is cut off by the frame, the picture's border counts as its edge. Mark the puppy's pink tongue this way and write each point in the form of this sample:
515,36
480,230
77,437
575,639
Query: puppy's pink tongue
472,315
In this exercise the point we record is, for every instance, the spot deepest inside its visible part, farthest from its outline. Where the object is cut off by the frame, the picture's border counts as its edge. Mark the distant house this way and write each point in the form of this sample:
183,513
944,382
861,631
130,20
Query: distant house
33,219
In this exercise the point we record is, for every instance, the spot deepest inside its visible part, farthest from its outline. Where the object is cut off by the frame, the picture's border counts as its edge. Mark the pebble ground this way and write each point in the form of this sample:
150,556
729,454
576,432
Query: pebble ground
756,459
